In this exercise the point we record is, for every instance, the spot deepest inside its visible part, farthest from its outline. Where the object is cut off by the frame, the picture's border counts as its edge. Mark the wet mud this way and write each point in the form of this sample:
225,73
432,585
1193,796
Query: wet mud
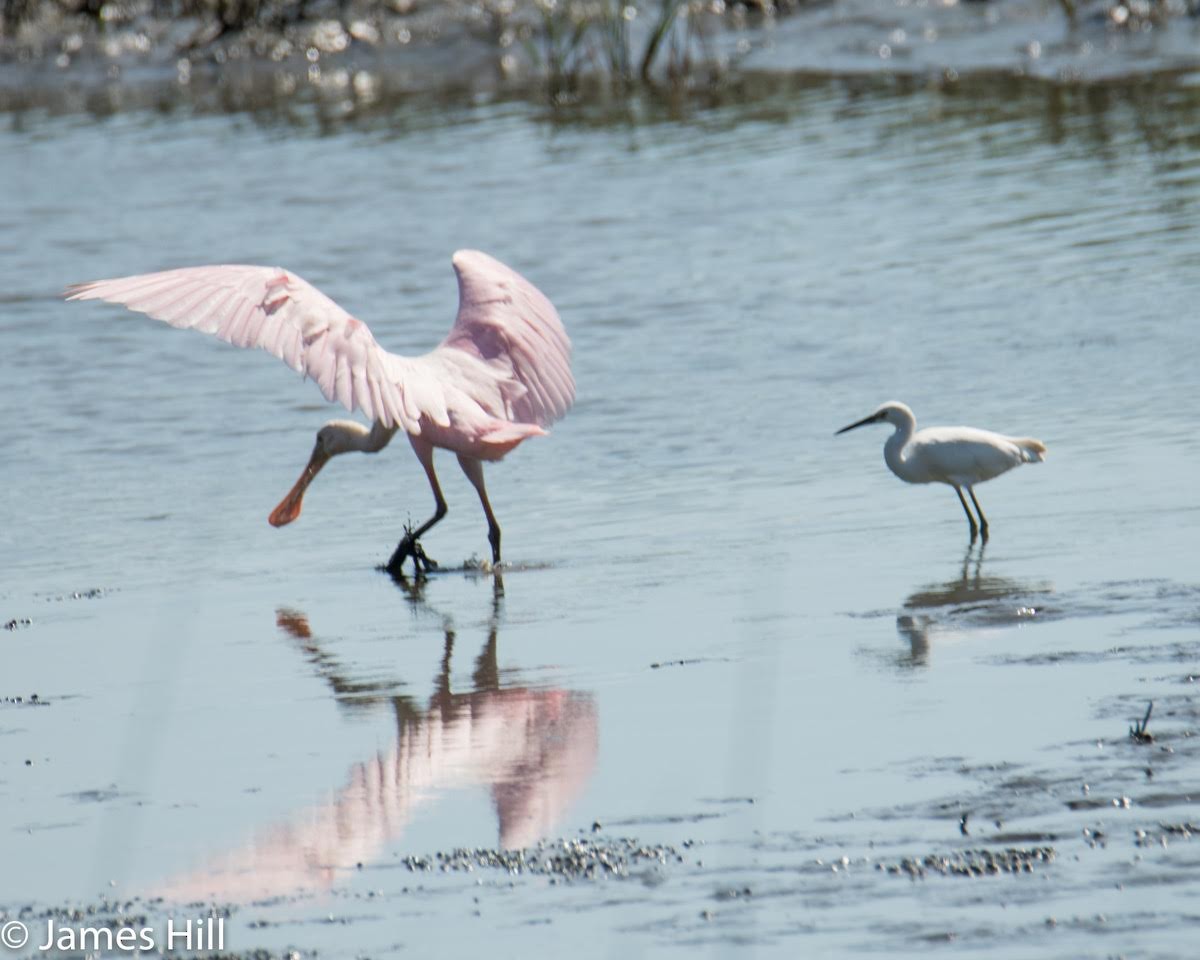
577,859
1095,810
20,623
973,863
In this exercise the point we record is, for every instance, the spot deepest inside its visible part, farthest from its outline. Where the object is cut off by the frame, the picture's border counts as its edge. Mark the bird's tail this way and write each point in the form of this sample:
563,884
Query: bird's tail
501,436
1032,451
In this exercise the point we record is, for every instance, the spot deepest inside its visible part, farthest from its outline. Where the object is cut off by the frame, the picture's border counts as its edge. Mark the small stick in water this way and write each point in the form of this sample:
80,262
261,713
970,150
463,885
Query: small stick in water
1138,732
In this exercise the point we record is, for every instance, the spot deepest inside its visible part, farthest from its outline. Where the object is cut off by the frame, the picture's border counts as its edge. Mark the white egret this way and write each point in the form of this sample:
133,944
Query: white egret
958,456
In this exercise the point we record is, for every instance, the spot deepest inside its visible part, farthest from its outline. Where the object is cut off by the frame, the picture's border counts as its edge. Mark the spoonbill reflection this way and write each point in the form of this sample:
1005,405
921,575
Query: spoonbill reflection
501,375
533,749
958,456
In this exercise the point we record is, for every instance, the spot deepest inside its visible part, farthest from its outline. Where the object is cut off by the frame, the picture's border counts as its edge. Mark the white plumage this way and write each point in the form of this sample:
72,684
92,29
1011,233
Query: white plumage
958,456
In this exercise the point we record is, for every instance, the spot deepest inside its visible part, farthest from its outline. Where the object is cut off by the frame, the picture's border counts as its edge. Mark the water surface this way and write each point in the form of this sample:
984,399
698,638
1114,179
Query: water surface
724,631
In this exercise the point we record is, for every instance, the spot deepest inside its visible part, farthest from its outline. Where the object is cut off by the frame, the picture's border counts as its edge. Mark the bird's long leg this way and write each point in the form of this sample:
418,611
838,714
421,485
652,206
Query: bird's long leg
410,545
474,470
979,510
967,510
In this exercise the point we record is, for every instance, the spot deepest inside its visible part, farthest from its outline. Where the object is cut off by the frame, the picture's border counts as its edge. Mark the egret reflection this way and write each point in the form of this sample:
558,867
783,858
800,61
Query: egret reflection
970,602
533,749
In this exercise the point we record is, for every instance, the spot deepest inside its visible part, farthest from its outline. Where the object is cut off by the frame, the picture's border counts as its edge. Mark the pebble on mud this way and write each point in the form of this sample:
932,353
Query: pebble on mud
1178,831
975,863
579,858
33,700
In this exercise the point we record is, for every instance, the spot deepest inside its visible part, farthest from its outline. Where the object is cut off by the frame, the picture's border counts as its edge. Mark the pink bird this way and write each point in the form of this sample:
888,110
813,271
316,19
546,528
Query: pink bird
501,375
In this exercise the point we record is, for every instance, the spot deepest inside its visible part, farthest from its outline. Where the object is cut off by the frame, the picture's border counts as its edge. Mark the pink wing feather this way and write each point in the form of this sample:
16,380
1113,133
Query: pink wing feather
503,320
277,311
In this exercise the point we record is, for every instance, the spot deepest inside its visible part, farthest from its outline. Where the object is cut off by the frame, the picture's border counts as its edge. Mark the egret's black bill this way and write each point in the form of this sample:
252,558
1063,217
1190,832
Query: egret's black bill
873,418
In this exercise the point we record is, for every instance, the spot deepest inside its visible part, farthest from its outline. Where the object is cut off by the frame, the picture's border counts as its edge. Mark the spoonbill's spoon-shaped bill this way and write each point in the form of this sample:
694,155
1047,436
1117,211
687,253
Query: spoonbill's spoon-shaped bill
958,456
502,374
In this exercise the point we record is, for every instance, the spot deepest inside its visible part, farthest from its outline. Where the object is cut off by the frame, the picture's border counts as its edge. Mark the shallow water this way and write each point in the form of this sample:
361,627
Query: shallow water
724,630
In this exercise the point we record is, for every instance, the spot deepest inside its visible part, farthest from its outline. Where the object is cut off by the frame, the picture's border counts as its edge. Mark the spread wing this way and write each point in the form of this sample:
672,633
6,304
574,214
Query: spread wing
504,320
277,311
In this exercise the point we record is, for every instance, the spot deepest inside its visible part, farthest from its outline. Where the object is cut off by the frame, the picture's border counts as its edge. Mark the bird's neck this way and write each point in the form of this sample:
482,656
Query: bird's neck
378,437
354,436
893,450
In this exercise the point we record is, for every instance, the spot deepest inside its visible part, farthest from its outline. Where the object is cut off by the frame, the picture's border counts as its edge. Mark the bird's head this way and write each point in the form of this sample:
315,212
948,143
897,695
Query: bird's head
894,412
337,436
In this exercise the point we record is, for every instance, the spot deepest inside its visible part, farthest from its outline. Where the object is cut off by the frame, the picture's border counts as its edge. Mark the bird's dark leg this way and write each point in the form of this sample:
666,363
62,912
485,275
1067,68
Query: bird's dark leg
474,470
979,510
970,516
409,546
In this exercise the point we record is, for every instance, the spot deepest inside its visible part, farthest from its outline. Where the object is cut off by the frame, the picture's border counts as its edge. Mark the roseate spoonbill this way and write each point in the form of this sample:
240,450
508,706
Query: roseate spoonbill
501,375
959,456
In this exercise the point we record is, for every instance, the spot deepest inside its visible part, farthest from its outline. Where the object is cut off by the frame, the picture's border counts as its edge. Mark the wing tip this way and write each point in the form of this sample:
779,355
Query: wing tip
468,258
77,291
